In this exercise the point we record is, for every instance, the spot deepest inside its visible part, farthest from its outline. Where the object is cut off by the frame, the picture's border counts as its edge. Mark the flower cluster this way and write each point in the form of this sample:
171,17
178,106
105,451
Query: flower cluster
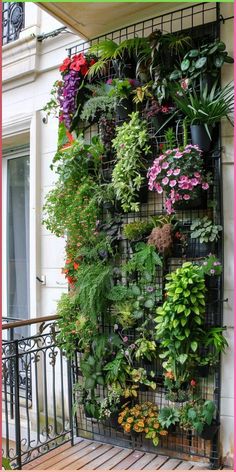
73,72
70,270
179,173
155,109
142,418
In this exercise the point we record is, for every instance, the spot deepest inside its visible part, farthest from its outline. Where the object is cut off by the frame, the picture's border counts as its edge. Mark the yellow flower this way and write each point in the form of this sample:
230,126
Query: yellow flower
163,433
156,425
120,420
146,430
127,428
130,420
141,424
136,428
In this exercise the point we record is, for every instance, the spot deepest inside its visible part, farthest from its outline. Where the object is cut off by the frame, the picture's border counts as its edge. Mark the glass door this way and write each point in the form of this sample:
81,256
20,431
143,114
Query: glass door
17,241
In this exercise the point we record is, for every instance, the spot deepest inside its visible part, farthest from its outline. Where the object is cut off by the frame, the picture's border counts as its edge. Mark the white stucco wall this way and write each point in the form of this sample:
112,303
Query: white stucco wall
29,70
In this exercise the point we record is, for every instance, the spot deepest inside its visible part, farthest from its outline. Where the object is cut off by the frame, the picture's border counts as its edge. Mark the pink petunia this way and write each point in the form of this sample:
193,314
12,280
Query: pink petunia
178,155
205,186
186,197
165,181
194,182
165,165
176,171
169,172
173,183
197,175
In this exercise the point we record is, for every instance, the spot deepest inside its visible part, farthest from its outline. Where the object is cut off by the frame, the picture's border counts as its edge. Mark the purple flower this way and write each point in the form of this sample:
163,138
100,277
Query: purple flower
150,289
125,339
212,271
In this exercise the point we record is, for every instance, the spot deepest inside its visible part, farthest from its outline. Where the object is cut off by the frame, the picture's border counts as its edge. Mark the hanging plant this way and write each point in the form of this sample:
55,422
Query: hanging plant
179,173
132,149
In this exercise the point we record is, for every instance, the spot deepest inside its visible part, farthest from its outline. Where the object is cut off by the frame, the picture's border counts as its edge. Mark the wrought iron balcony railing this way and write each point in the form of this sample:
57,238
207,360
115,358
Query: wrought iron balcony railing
13,21
36,392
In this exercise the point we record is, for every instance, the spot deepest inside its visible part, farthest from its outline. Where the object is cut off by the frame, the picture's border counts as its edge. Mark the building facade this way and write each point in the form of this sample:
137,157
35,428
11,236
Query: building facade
32,257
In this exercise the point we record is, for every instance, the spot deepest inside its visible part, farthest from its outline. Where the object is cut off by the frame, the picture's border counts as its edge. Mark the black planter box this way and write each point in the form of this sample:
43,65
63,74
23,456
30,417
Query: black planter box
209,432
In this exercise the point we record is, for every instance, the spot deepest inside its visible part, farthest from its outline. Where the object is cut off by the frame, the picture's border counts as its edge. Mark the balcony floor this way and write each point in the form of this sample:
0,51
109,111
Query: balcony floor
91,455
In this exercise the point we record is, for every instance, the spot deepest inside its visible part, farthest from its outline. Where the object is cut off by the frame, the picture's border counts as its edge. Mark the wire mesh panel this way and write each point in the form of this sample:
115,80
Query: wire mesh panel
201,22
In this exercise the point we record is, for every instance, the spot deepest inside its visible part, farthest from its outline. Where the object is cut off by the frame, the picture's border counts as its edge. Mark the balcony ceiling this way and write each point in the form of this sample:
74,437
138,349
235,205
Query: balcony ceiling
90,20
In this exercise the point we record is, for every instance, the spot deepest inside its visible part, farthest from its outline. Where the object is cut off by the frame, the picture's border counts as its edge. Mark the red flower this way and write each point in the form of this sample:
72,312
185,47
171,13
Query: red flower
161,145
92,62
193,383
164,109
76,265
68,261
70,280
65,64
78,62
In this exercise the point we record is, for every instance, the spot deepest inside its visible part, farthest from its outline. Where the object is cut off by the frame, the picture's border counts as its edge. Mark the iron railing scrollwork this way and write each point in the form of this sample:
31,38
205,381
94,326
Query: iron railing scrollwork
13,21
36,394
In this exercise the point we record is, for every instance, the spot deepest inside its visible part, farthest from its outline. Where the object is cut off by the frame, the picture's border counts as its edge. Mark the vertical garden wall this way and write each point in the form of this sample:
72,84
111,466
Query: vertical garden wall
139,199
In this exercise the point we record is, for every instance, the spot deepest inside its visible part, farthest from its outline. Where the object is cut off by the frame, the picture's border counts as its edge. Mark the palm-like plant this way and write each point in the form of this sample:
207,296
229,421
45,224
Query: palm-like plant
206,107
109,50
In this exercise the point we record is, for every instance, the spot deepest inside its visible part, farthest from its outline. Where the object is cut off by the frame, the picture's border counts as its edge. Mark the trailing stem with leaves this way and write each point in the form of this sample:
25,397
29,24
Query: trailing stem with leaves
132,149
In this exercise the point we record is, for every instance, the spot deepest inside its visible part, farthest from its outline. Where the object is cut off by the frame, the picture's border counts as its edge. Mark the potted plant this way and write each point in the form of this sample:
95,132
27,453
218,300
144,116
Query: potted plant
169,418
121,90
131,147
137,231
142,418
205,61
179,325
199,416
179,174
206,232
203,109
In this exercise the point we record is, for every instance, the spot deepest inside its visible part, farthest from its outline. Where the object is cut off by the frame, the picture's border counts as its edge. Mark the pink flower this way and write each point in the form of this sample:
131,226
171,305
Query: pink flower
184,84
173,183
165,165
169,172
165,181
176,172
169,151
158,188
186,197
197,175
194,182
205,186
178,155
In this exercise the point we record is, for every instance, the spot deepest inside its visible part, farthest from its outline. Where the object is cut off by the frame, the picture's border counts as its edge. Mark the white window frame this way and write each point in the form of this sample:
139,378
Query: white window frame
8,155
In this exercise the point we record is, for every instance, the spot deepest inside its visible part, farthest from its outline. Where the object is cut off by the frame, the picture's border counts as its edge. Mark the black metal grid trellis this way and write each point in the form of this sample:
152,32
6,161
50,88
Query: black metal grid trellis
202,22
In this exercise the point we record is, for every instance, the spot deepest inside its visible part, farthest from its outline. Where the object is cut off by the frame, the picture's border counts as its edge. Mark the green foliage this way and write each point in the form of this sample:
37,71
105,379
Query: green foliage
131,147
207,60
168,416
52,106
116,370
215,339
196,415
205,230
108,50
137,229
180,319
144,260
75,329
72,210
211,265
206,107
101,102
170,140
93,283
146,349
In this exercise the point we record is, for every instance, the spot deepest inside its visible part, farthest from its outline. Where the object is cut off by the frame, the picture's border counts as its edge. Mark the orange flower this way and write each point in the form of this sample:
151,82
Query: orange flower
156,425
163,433
120,419
140,424
136,428
76,265
130,420
127,428
169,375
